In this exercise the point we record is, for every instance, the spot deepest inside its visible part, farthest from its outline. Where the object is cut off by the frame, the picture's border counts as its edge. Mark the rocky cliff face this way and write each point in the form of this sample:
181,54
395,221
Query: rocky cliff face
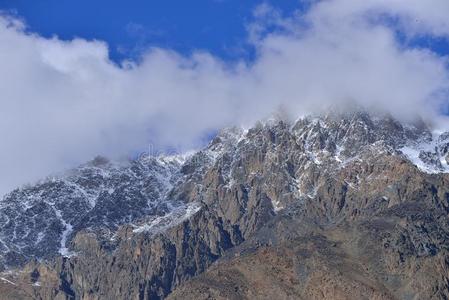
342,206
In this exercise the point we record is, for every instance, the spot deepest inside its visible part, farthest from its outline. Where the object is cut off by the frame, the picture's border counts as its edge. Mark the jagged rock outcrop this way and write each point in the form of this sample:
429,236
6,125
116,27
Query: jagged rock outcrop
343,206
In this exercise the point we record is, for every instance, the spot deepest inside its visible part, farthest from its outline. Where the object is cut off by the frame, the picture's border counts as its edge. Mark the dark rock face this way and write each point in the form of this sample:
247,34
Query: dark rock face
388,256
343,206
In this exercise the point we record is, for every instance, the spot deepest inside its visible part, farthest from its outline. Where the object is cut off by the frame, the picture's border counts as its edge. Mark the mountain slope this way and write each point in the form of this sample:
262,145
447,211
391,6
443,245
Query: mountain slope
344,205
38,221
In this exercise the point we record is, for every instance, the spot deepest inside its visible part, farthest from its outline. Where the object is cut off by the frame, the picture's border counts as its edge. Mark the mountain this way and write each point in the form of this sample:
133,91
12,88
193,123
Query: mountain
38,221
343,205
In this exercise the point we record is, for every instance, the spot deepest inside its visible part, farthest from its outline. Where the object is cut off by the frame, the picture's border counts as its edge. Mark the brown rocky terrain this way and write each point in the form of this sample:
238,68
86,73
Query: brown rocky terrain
328,207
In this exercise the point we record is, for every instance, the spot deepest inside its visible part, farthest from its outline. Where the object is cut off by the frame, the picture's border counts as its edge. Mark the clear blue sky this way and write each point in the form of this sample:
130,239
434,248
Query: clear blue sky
130,26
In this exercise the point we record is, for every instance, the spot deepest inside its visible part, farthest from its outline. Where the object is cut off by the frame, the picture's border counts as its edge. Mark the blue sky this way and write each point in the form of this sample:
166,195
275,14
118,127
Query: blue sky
130,27
217,26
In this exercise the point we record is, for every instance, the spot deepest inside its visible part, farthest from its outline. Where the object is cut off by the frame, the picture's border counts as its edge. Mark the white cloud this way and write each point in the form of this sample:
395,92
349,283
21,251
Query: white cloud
416,16
63,102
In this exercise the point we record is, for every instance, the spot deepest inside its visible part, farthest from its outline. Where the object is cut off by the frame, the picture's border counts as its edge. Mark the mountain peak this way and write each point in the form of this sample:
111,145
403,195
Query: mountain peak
266,185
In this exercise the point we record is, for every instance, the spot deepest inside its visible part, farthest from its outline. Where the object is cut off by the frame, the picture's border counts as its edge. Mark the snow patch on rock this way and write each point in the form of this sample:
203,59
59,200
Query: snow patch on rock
176,216
428,156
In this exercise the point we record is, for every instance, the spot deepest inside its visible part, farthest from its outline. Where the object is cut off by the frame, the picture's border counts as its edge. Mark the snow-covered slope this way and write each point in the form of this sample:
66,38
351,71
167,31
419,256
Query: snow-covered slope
429,155
343,138
40,220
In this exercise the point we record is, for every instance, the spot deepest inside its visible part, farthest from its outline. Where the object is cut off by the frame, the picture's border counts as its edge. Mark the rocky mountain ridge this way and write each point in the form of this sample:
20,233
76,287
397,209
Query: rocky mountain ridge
319,200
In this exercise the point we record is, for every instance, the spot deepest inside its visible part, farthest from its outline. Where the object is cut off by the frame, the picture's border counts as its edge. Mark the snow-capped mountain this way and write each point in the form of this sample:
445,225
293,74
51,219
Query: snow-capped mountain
337,182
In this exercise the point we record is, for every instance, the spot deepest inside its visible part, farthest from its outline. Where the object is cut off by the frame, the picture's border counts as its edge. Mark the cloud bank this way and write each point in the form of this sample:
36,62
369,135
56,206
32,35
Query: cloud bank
63,102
